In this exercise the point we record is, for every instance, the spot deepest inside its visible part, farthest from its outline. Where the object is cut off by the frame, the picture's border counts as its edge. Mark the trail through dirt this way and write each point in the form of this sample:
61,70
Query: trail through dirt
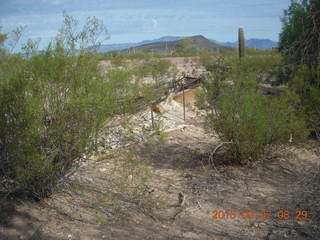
274,198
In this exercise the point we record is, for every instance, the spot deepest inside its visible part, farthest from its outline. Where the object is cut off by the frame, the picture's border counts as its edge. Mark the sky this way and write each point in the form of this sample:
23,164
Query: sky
137,20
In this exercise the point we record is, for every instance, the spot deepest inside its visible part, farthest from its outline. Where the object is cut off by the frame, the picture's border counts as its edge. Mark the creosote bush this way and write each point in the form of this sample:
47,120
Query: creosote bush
241,114
185,48
119,60
53,102
308,95
53,105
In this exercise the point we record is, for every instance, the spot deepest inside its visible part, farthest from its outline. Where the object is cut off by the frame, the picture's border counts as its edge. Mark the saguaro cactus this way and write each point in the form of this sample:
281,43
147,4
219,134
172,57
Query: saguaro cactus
242,42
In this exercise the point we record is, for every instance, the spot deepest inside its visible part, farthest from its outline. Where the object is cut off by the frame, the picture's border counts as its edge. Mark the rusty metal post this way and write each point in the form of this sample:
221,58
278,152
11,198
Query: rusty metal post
184,103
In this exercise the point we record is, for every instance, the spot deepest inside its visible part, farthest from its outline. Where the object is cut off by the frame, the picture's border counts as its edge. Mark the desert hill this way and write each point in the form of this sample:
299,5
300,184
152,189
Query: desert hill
167,46
167,41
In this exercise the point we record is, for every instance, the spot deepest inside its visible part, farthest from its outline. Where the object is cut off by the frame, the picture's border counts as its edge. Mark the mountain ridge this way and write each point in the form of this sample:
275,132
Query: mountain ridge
258,43
122,46
168,46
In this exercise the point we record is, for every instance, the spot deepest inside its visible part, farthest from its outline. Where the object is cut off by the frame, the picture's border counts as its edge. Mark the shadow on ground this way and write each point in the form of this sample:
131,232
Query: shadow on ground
284,180
15,224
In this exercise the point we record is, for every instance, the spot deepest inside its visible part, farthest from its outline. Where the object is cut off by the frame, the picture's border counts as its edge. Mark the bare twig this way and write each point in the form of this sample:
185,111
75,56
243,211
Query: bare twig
199,205
215,150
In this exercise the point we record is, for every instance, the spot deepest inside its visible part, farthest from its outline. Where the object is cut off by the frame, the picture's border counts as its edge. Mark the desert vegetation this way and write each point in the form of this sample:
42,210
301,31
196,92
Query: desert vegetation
55,102
63,109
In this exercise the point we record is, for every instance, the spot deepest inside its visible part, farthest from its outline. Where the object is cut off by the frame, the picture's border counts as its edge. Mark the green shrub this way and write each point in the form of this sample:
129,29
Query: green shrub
299,44
185,48
142,55
299,40
265,67
157,68
241,114
112,53
53,105
119,61
206,58
306,84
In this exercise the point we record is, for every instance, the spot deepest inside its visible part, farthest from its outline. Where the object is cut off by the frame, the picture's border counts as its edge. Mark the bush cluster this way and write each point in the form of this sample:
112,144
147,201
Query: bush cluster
240,113
306,85
53,105
299,45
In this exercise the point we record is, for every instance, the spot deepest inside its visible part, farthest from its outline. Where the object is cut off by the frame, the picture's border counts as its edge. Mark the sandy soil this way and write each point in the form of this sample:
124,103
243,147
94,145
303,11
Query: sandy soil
184,65
187,190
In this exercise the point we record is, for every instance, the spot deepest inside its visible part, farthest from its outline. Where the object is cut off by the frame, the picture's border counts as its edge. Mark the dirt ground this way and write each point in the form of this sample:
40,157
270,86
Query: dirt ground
184,65
274,198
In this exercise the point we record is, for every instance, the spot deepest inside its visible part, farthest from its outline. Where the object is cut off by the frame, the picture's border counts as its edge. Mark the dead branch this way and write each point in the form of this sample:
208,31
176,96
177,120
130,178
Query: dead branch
214,152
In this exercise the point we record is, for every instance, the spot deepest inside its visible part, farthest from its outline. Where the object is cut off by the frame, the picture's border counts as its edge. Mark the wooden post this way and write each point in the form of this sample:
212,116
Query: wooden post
184,103
152,120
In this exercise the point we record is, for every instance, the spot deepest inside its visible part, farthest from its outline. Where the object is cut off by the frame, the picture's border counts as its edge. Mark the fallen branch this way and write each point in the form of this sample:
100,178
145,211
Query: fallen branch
214,152
199,205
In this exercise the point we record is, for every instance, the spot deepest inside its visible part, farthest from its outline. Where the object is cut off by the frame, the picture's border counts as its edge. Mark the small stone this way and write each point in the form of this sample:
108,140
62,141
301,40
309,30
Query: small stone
262,224
90,180
84,165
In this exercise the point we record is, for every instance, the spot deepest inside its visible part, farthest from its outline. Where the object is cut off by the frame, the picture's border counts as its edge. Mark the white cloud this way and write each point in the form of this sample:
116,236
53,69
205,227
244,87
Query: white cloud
129,20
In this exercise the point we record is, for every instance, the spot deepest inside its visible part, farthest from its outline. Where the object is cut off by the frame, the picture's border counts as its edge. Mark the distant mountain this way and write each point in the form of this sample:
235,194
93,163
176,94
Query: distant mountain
162,39
122,46
205,43
170,41
167,46
116,46
252,43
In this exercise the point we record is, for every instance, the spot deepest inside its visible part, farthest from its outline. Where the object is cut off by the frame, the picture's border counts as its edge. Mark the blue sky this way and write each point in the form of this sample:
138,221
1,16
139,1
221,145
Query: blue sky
136,20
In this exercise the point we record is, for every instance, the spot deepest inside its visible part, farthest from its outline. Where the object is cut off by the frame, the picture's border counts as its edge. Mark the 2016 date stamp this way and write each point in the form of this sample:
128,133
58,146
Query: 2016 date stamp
263,214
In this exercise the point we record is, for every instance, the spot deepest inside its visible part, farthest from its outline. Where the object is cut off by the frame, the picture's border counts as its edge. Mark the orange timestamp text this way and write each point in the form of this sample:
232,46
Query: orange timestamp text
263,214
